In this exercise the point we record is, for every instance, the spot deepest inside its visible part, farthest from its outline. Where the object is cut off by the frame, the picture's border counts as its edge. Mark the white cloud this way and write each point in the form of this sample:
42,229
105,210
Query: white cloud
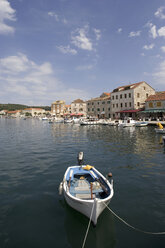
33,84
133,34
161,31
149,47
159,75
159,13
153,32
79,39
53,14
97,33
163,49
7,13
119,30
67,49
84,67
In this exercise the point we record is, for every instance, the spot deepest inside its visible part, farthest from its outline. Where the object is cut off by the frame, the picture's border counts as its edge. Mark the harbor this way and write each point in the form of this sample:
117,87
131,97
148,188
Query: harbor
34,157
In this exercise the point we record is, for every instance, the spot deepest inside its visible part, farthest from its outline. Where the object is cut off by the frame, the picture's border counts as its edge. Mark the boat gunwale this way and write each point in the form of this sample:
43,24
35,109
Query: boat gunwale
87,200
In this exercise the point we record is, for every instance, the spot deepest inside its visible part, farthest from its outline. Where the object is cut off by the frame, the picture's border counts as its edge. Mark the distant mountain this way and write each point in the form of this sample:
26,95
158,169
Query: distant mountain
12,107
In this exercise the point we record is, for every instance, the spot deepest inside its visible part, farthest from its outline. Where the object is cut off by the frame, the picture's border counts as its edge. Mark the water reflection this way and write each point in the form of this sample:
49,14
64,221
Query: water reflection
103,235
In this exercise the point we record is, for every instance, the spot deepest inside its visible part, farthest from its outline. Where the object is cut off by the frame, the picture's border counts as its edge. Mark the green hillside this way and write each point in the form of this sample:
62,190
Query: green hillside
12,107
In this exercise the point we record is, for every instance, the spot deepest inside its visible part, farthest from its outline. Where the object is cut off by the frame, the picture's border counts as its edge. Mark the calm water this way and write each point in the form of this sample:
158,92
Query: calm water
33,158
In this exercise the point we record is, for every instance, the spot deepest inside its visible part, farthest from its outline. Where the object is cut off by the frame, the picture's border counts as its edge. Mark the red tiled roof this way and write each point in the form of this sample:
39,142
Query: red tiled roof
14,111
125,87
78,101
159,96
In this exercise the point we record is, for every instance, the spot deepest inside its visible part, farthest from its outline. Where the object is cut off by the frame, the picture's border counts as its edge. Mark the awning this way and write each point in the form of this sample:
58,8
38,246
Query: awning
154,111
129,111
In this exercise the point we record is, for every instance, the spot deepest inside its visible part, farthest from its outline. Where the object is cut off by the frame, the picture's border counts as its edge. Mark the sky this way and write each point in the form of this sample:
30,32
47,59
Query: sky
67,49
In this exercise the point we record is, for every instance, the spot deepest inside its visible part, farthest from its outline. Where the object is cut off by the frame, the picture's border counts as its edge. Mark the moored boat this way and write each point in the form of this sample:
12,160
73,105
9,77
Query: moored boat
86,190
160,128
128,122
141,124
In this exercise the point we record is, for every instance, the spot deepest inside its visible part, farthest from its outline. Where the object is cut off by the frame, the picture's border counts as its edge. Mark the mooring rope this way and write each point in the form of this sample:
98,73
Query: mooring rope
136,229
88,226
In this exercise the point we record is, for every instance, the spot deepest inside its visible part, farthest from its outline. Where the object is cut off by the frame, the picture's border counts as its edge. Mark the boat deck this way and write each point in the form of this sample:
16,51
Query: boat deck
81,183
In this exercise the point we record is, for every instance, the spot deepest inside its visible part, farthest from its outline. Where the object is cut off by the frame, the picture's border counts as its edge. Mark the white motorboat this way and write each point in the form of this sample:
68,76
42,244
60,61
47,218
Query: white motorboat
160,128
68,121
128,122
86,190
141,124
91,121
45,118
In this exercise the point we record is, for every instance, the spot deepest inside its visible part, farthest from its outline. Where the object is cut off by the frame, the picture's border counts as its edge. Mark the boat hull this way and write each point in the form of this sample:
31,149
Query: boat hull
86,207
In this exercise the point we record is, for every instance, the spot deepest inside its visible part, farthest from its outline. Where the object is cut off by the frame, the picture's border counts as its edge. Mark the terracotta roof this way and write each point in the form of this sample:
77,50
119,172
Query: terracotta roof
14,111
127,87
159,96
78,101
104,94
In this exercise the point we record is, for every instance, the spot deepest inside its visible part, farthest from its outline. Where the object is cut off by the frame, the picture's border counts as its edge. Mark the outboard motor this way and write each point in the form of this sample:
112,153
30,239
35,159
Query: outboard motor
80,158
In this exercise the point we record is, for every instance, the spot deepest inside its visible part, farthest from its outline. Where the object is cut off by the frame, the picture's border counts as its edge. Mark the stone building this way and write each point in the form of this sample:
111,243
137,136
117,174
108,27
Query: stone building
99,106
58,108
78,107
128,100
67,110
155,106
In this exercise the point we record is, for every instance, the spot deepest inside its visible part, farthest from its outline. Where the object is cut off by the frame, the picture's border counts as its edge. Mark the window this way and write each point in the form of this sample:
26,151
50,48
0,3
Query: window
146,95
138,104
130,104
89,109
159,104
93,109
92,103
144,87
108,102
126,104
116,96
88,103
125,95
121,96
138,95
150,105
103,102
121,105
98,103
116,105
113,105
98,109
103,109
109,109
112,97
129,95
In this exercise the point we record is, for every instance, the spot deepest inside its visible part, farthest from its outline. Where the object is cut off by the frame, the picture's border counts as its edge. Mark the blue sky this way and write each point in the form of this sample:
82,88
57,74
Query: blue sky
67,49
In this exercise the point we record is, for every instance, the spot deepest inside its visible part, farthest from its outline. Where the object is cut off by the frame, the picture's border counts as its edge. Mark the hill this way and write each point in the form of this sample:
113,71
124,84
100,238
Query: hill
12,107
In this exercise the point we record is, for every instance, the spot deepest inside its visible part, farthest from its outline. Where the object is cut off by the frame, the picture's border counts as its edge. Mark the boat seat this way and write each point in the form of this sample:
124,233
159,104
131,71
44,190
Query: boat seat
85,191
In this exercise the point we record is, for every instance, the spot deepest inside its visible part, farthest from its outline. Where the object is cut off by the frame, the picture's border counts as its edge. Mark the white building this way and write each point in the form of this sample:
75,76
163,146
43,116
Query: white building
34,111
